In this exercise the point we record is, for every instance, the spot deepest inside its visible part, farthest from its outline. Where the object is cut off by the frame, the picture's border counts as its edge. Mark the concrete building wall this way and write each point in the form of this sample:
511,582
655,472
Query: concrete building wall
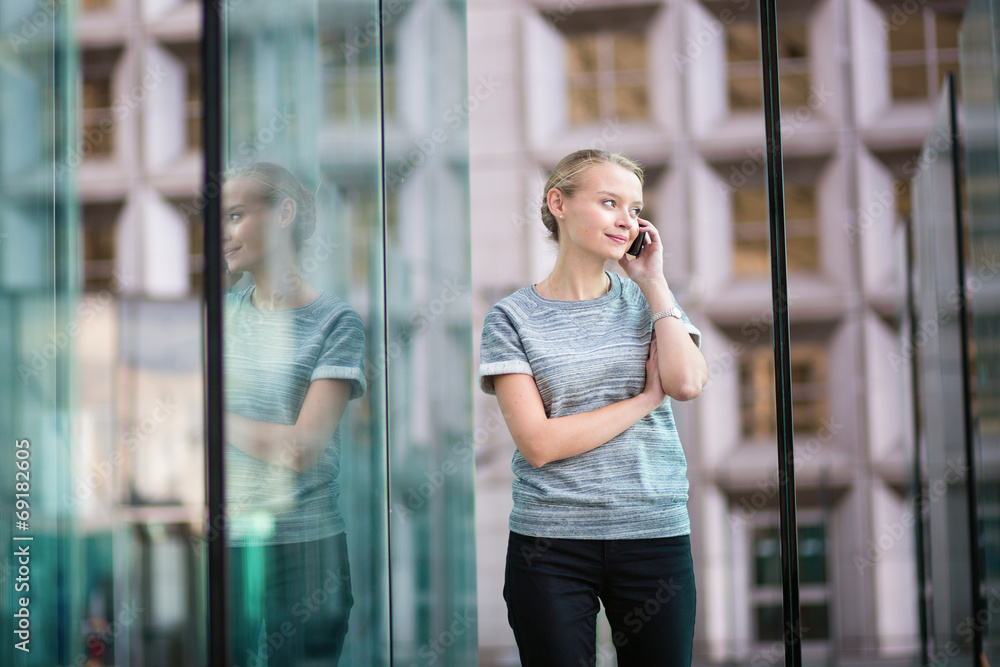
849,142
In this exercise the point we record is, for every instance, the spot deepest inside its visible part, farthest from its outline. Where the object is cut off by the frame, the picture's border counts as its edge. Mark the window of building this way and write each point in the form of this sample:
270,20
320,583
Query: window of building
95,5
923,48
352,73
607,76
743,78
751,256
196,242
809,389
97,127
97,225
190,55
607,61
814,592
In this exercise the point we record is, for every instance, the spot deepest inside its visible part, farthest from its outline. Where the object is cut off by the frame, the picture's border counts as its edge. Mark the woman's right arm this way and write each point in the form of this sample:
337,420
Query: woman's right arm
542,439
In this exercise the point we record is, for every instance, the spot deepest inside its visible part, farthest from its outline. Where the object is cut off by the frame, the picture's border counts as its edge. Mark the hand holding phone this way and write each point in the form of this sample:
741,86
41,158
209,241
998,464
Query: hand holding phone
636,246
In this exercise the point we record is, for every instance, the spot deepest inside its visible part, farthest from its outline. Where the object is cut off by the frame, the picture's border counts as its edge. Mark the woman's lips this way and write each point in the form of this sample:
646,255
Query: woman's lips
229,252
620,240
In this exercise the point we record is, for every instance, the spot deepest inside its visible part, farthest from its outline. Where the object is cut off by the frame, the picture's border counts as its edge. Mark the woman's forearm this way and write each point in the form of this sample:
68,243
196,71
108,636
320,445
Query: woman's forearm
683,370
300,445
542,439
284,444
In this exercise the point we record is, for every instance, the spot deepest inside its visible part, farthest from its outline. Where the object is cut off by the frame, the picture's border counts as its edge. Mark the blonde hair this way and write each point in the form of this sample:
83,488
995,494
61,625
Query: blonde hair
273,184
566,175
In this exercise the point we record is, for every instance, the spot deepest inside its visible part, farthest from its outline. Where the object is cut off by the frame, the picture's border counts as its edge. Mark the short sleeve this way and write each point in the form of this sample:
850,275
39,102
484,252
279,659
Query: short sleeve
691,329
501,351
343,355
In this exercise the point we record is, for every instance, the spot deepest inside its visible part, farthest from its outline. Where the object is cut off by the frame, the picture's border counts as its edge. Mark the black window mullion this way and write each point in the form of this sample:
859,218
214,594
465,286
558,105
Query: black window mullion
780,332
212,82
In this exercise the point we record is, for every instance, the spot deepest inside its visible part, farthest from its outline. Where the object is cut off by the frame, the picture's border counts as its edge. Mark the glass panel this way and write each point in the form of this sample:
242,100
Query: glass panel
428,356
941,374
303,241
980,103
46,570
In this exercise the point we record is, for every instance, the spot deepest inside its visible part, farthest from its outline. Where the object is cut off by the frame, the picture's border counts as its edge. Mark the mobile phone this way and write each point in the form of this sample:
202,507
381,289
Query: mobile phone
636,246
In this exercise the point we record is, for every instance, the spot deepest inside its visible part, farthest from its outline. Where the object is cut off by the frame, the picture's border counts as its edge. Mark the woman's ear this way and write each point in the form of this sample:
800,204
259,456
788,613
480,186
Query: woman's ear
287,212
556,201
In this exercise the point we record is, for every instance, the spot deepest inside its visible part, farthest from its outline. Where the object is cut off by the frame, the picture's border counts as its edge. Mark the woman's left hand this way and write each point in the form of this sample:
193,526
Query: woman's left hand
646,269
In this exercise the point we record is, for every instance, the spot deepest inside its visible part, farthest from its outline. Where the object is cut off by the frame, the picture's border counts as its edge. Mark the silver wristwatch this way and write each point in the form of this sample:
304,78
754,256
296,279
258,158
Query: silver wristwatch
673,311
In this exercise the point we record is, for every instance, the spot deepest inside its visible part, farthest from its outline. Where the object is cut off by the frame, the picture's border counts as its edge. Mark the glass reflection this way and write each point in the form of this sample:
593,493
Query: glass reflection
294,357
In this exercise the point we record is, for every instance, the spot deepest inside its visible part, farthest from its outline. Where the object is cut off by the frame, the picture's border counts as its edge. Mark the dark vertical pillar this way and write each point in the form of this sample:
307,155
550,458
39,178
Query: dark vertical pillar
971,485
780,333
212,82
918,473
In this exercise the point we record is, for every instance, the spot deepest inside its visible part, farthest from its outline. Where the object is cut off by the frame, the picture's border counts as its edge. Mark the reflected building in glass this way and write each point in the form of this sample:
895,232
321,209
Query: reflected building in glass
323,89
677,85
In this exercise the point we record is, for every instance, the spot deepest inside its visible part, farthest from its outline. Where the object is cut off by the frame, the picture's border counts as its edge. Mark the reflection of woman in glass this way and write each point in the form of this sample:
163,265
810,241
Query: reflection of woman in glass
581,364
294,356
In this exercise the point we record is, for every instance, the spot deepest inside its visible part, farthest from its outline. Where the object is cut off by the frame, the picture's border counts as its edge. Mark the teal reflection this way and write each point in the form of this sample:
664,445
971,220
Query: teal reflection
294,357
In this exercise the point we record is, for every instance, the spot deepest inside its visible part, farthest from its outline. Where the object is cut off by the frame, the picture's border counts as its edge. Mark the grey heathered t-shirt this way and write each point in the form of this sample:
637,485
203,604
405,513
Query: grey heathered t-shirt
271,357
585,355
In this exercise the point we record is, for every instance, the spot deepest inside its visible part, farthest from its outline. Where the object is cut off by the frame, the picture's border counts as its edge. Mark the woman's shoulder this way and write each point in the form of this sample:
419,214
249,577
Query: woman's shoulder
519,301
330,308
630,291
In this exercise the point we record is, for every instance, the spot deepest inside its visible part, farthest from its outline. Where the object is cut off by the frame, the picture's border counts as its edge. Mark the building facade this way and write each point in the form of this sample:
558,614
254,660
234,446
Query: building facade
676,85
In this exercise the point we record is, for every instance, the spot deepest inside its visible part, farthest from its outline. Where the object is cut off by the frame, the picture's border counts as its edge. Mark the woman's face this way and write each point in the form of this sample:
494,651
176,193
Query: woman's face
250,226
602,216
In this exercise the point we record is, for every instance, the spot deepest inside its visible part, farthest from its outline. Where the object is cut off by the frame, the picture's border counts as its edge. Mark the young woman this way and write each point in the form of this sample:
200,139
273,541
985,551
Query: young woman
582,364
294,357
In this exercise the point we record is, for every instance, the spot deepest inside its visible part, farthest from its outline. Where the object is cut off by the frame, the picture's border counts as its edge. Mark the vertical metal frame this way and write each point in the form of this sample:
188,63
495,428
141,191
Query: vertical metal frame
918,473
385,327
971,485
212,81
780,337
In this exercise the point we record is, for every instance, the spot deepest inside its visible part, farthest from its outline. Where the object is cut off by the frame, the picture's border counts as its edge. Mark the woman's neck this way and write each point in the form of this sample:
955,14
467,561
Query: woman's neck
575,281
290,291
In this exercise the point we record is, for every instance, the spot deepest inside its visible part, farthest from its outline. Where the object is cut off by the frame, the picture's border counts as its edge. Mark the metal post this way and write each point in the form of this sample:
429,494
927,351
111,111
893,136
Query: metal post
212,82
782,361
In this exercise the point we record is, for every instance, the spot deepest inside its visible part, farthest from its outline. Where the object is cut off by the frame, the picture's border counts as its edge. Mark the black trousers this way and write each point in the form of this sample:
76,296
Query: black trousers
290,603
554,588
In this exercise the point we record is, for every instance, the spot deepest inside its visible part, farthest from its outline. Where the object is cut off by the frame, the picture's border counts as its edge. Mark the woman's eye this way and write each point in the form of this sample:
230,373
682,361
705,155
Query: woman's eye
635,212
610,202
